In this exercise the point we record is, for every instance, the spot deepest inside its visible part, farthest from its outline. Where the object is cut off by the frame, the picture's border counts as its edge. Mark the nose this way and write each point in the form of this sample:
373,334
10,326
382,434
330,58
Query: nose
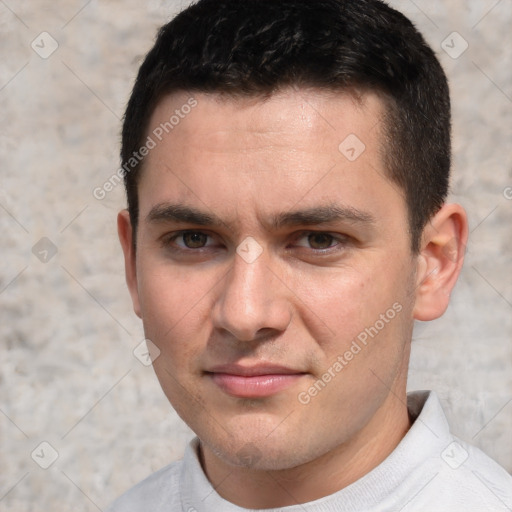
252,303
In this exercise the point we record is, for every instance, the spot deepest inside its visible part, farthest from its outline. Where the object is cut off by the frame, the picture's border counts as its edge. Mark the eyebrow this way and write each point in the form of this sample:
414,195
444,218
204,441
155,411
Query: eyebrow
325,214
167,212
322,215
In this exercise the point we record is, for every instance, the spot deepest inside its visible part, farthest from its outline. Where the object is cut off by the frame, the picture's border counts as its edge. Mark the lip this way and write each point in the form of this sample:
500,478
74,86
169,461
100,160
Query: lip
256,381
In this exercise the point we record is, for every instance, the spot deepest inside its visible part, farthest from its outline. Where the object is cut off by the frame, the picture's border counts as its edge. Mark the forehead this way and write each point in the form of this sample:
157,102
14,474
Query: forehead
289,113
297,145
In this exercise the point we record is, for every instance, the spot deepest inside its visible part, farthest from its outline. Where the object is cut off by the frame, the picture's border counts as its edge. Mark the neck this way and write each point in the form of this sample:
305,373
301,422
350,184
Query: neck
318,478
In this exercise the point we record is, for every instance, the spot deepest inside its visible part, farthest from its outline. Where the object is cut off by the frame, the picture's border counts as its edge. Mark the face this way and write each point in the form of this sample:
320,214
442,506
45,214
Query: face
273,272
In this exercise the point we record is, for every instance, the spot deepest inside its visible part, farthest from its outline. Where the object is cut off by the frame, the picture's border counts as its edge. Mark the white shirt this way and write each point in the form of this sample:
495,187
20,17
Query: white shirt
429,471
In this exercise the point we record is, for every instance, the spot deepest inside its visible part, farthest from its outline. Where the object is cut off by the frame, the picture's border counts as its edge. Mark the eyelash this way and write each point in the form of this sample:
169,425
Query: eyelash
340,241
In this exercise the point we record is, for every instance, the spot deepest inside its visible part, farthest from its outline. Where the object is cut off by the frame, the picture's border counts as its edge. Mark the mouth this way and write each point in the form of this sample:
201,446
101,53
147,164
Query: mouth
256,381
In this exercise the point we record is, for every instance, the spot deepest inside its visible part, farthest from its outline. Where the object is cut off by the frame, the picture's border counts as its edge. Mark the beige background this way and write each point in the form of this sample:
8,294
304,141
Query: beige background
67,331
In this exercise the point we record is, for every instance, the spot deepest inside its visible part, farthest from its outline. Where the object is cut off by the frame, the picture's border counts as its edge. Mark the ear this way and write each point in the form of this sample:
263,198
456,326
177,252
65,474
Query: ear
440,261
125,232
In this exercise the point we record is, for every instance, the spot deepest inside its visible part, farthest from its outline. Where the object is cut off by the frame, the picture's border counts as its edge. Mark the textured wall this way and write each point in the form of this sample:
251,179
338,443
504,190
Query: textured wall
67,331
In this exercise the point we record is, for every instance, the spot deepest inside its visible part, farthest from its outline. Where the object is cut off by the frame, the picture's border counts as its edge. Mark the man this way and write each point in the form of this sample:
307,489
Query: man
286,166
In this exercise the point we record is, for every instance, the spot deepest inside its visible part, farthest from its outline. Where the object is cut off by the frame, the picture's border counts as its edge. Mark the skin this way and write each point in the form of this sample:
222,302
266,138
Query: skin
300,304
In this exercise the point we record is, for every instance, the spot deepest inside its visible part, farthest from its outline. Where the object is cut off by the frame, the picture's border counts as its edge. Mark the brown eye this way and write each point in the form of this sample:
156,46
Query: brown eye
194,240
320,240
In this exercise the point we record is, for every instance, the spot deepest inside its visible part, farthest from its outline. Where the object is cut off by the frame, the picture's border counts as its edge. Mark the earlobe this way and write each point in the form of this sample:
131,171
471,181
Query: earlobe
440,261
125,232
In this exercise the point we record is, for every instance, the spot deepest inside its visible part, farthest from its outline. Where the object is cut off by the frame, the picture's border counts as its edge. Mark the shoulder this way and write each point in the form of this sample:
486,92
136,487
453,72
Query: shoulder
464,478
159,490
449,474
476,477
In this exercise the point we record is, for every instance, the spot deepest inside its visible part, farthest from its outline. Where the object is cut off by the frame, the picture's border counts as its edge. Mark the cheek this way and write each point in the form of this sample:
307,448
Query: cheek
173,306
173,311
344,301
167,291
369,305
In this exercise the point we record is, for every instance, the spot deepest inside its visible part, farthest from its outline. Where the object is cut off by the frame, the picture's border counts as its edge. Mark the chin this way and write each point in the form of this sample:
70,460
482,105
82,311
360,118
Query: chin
255,453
